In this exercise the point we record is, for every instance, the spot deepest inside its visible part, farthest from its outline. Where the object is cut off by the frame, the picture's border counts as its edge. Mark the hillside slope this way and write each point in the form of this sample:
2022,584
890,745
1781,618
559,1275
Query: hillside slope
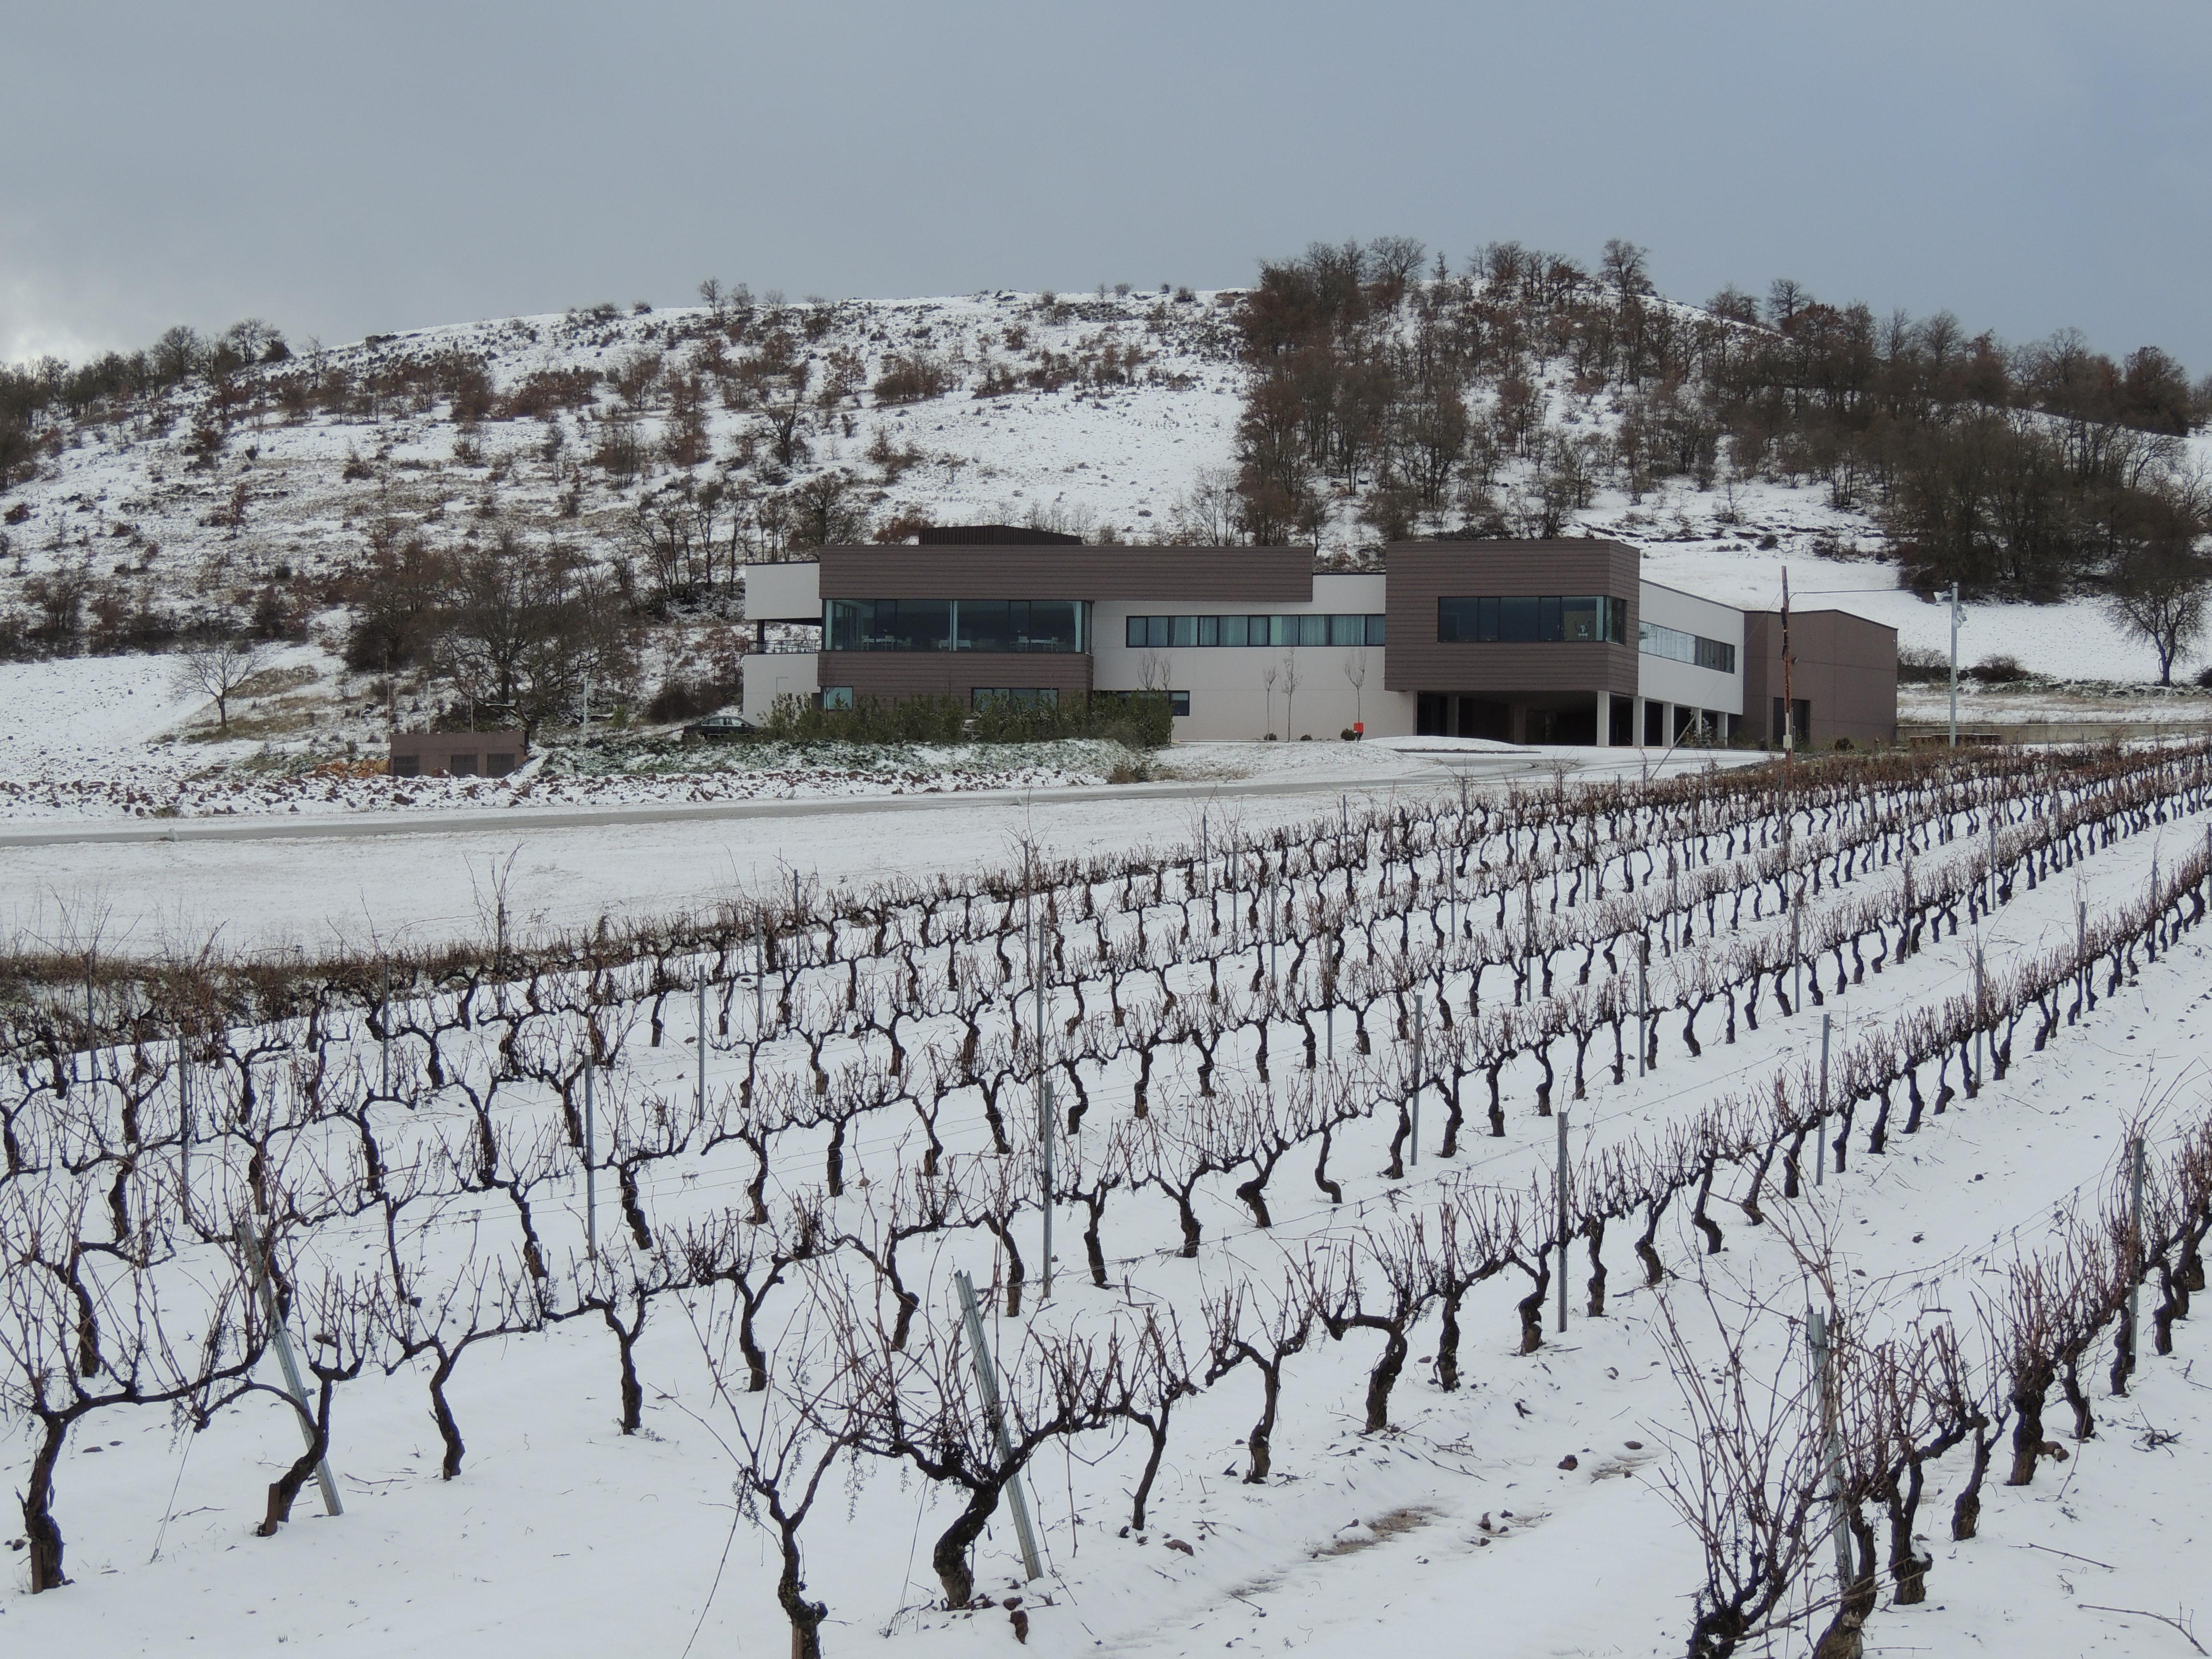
667,448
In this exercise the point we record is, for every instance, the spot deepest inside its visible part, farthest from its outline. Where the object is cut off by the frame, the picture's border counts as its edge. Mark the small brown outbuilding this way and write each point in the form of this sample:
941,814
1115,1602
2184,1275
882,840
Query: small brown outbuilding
1843,679
457,754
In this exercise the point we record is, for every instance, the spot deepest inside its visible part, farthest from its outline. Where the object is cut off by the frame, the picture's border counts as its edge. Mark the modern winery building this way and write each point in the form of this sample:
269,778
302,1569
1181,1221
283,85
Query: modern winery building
1527,642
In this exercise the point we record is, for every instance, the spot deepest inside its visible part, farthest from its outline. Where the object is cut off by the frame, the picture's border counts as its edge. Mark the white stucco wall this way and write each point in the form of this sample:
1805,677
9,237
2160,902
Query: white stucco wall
1230,697
1662,679
767,676
783,593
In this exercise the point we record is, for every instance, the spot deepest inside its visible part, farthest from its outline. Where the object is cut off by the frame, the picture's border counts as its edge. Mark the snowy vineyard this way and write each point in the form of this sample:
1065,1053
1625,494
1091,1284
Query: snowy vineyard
1291,1107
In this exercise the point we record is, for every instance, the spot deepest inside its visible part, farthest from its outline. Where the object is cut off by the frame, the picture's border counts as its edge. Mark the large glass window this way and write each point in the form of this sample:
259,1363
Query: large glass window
842,627
1532,618
992,624
913,625
997,625
1679,645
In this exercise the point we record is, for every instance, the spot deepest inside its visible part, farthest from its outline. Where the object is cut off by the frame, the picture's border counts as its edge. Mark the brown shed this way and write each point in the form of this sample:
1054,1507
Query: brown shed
457,754
1844,677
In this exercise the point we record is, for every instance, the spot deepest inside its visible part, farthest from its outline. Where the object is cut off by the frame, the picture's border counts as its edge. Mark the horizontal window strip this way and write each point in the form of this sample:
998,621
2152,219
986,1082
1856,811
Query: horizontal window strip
1679,645
996,625
1532,619
1174,633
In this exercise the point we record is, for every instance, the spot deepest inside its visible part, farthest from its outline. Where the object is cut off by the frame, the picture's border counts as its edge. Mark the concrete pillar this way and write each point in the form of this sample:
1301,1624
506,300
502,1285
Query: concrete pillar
1605,720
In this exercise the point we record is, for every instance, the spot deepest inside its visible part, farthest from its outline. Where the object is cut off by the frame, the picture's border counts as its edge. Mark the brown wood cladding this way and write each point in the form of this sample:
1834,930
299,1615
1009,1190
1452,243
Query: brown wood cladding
1846,668
1421,573
1283,574
889,675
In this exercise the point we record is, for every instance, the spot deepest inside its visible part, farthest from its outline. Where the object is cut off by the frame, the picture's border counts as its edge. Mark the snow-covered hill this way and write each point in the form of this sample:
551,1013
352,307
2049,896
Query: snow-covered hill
254,503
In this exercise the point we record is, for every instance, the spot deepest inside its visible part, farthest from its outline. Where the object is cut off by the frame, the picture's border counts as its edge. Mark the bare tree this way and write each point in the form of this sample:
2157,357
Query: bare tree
2159,592
528,628
1290,693
1207,514
1745,1478
216,669
1391,1300
438,1310
345,1313
1355,670
786,1439
1247,1324
75,1340
919,1405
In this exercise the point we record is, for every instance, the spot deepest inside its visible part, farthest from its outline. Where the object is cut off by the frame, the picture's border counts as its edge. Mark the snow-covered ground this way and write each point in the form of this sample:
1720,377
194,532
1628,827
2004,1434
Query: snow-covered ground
1460,1523
643,855
562,1536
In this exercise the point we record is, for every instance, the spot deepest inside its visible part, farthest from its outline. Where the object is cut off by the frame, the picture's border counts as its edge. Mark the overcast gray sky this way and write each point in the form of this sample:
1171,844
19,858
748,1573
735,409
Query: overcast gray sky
340,170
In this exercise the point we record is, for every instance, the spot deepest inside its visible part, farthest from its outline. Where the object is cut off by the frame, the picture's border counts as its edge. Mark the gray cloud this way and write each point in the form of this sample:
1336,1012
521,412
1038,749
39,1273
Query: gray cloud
342,170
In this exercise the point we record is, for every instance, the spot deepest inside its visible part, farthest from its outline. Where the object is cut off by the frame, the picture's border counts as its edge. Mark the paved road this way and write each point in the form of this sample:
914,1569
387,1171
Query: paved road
1447,764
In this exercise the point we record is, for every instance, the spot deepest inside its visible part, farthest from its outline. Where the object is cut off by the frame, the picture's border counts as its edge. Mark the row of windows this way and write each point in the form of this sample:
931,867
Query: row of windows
1679,645
1538,619
955,625
1061,625
1164,633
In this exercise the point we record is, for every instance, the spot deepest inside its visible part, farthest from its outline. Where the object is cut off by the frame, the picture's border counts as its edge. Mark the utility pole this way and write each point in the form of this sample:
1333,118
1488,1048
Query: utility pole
1821,1136
1796,955
590,1174
986,1387
760,974
1044,1083
250,1247
185,1124
2081,951
1564,1239
1789,662
2134,1250
1958,616
1817,1333
1981,1015
1642,1001
1529,941
1413,1104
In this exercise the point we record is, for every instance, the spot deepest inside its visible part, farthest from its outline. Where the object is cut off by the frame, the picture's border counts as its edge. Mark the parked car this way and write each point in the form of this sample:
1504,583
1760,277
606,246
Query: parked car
717,728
